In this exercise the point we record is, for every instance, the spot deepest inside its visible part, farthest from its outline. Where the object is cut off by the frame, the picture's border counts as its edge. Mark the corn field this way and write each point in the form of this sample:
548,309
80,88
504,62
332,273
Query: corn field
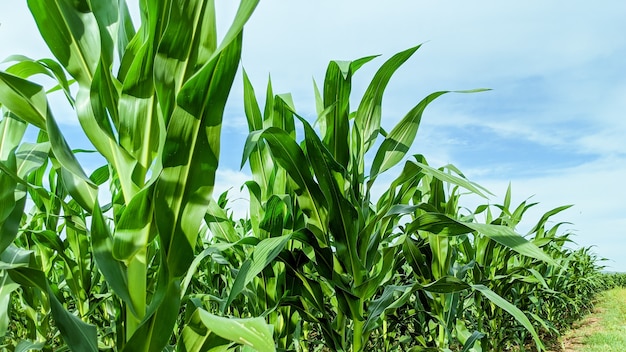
141,255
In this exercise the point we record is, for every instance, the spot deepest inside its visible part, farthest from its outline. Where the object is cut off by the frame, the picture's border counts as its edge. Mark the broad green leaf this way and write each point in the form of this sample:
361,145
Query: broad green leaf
11,133
196,337
246,7
253,332
251,105
71,32
11,205
26,67
337,87
264,253
133,229
155,331
441,255
331,177
469,343
511,309
382,303
439,224
547,215
26,346
28,101
193,267
288,154
446,284
368,115
218,222
190,157
25,99
444,225
78,335
509,238
113,271
398,142
416,259
31,157
173,53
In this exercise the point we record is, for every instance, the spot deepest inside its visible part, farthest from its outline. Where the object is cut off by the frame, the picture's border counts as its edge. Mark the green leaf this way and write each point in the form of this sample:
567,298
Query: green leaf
509,238
196,337
156,329
253,332
113,271
77,183
288,154
342,214
218,222
337,87
26,346
190,157
398,142
388,298
451,179
78,335
133,229
71,32
475,336
447,284
7,286
547,215
25,99
444,225
11,209
511,309
264,253
369,113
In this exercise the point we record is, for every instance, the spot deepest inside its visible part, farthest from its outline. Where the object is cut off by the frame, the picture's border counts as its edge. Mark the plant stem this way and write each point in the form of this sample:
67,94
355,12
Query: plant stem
137,272
357,332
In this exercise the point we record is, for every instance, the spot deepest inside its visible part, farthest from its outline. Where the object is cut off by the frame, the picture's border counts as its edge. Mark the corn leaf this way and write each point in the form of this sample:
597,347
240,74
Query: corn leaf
511,309
264,253
190,157
253,332
78,335
369,113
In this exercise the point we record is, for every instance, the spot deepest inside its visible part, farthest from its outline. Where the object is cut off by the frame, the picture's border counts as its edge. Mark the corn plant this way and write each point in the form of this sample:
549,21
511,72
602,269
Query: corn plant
349,248
151,101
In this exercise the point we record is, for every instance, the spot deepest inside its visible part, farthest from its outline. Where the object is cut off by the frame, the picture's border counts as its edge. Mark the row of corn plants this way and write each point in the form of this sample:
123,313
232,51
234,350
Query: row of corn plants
110,273
139,255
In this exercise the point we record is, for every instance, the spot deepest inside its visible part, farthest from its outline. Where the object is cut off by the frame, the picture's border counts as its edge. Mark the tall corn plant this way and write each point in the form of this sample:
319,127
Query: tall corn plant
150,100
542,290
349,248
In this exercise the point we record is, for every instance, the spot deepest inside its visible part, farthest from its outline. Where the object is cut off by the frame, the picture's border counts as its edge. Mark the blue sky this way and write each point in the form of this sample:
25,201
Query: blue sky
554,124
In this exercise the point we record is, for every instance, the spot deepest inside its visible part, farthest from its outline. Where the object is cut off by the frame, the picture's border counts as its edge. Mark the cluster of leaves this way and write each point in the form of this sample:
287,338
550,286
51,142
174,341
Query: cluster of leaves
318,263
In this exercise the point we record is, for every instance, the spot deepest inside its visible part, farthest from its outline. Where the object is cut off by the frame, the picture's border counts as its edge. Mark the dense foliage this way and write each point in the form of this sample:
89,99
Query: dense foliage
318,263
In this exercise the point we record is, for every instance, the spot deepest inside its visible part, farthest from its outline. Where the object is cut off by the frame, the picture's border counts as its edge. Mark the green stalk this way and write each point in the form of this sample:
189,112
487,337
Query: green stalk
137,273
357,332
